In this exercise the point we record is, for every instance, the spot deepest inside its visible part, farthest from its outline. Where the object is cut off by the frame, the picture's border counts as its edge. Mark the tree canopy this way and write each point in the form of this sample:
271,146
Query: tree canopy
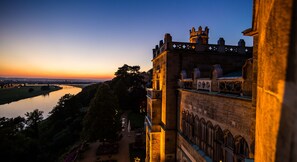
102,120
129,86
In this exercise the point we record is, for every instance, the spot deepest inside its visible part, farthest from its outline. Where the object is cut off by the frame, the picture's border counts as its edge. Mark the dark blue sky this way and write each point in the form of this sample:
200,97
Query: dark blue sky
96,37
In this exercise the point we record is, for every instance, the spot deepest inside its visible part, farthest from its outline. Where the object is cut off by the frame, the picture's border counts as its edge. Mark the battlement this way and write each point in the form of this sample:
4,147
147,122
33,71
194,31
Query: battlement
220,47
200,36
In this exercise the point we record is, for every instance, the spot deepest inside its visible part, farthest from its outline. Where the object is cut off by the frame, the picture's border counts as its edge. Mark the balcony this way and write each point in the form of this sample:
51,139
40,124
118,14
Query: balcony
154,94
154,102
204,84
230,86
186,83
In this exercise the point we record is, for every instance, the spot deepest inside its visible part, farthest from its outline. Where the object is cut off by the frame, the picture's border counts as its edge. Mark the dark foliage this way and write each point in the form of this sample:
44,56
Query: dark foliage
48,139
92,114
45,88
129,86
102,120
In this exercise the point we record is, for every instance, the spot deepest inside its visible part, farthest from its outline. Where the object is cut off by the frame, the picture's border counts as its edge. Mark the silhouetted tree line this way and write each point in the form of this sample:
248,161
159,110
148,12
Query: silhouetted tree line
127,91
130,87
93,114
33,139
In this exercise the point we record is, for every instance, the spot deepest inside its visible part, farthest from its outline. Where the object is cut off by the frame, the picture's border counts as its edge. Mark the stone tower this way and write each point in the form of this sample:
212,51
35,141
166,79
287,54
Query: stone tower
170,59
161,118
200,36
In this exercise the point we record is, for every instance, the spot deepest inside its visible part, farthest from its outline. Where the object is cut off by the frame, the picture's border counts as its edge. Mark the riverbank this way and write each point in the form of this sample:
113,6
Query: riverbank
18,93
80,85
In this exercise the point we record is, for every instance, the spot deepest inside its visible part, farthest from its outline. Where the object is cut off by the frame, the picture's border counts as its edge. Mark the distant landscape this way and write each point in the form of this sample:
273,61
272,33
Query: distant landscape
14,89
73,123
19,92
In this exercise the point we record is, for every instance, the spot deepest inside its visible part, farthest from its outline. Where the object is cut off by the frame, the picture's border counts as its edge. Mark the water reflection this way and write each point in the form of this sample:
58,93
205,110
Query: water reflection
44,103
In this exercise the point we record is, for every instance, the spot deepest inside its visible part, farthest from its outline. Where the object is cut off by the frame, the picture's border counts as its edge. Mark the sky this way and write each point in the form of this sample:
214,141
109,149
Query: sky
90,39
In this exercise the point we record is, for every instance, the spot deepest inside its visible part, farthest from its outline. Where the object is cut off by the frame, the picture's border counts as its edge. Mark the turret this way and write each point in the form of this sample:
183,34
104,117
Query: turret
200,36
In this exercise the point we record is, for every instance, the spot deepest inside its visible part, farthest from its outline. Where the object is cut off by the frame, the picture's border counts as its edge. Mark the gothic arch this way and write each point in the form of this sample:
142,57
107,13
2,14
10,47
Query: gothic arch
228,139
218,144
196,130
219,135
190,118
209,139
196,124
241,147
191,126
203,134
229,146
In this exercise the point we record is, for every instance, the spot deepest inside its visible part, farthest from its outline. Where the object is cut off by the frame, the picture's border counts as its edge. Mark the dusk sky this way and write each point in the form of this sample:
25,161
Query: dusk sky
91,39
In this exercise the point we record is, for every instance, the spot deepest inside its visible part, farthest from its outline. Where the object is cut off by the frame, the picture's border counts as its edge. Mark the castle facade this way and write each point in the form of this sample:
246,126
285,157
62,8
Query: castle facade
200,104
222,103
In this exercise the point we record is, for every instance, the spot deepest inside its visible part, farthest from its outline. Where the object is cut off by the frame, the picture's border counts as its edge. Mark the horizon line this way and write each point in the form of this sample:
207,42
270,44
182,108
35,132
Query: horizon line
54,78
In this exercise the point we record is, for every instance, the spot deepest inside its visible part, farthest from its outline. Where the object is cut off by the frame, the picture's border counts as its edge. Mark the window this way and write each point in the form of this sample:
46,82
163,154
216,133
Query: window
203,135
218,144
210,136
196,131
241,149
229,146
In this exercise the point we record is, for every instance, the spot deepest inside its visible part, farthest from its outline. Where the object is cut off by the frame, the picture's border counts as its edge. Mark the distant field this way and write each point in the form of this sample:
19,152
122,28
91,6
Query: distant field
79,85
18,93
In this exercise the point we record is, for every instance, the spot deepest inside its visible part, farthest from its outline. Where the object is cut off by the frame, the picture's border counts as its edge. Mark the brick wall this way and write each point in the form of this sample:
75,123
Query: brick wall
233,114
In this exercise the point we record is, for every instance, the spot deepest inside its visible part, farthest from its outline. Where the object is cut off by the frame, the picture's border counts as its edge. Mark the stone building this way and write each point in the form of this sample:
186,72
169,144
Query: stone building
275,79
200,104
205,97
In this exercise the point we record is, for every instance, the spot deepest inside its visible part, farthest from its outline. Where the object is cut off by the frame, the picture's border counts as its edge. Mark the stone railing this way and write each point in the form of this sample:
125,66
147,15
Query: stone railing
181,45
230,86
154,94
202,48
229,49
204,84
186,83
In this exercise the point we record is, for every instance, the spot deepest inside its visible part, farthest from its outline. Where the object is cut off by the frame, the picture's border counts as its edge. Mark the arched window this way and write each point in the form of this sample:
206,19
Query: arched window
189,117
203,135
241,149
218,144
191,125
210,137
196,130
229,146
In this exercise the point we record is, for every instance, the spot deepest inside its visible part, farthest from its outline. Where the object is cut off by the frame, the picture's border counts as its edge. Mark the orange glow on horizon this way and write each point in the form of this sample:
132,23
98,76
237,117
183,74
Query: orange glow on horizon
98,77
57,75
26,69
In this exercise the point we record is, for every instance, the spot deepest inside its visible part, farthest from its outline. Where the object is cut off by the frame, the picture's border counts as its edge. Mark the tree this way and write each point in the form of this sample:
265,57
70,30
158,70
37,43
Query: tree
30,90
11,126
129,86
102,120
32,120
61,108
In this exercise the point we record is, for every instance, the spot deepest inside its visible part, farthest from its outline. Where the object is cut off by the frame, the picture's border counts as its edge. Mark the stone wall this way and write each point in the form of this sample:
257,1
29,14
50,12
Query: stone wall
233,114
205,61
276,85
155,146
186,152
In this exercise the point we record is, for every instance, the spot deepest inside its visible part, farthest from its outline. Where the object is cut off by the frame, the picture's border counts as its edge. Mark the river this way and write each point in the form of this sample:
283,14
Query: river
44,103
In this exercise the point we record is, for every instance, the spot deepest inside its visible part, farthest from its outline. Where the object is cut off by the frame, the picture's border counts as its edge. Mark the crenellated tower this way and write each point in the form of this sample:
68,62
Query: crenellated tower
177,66
200,36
